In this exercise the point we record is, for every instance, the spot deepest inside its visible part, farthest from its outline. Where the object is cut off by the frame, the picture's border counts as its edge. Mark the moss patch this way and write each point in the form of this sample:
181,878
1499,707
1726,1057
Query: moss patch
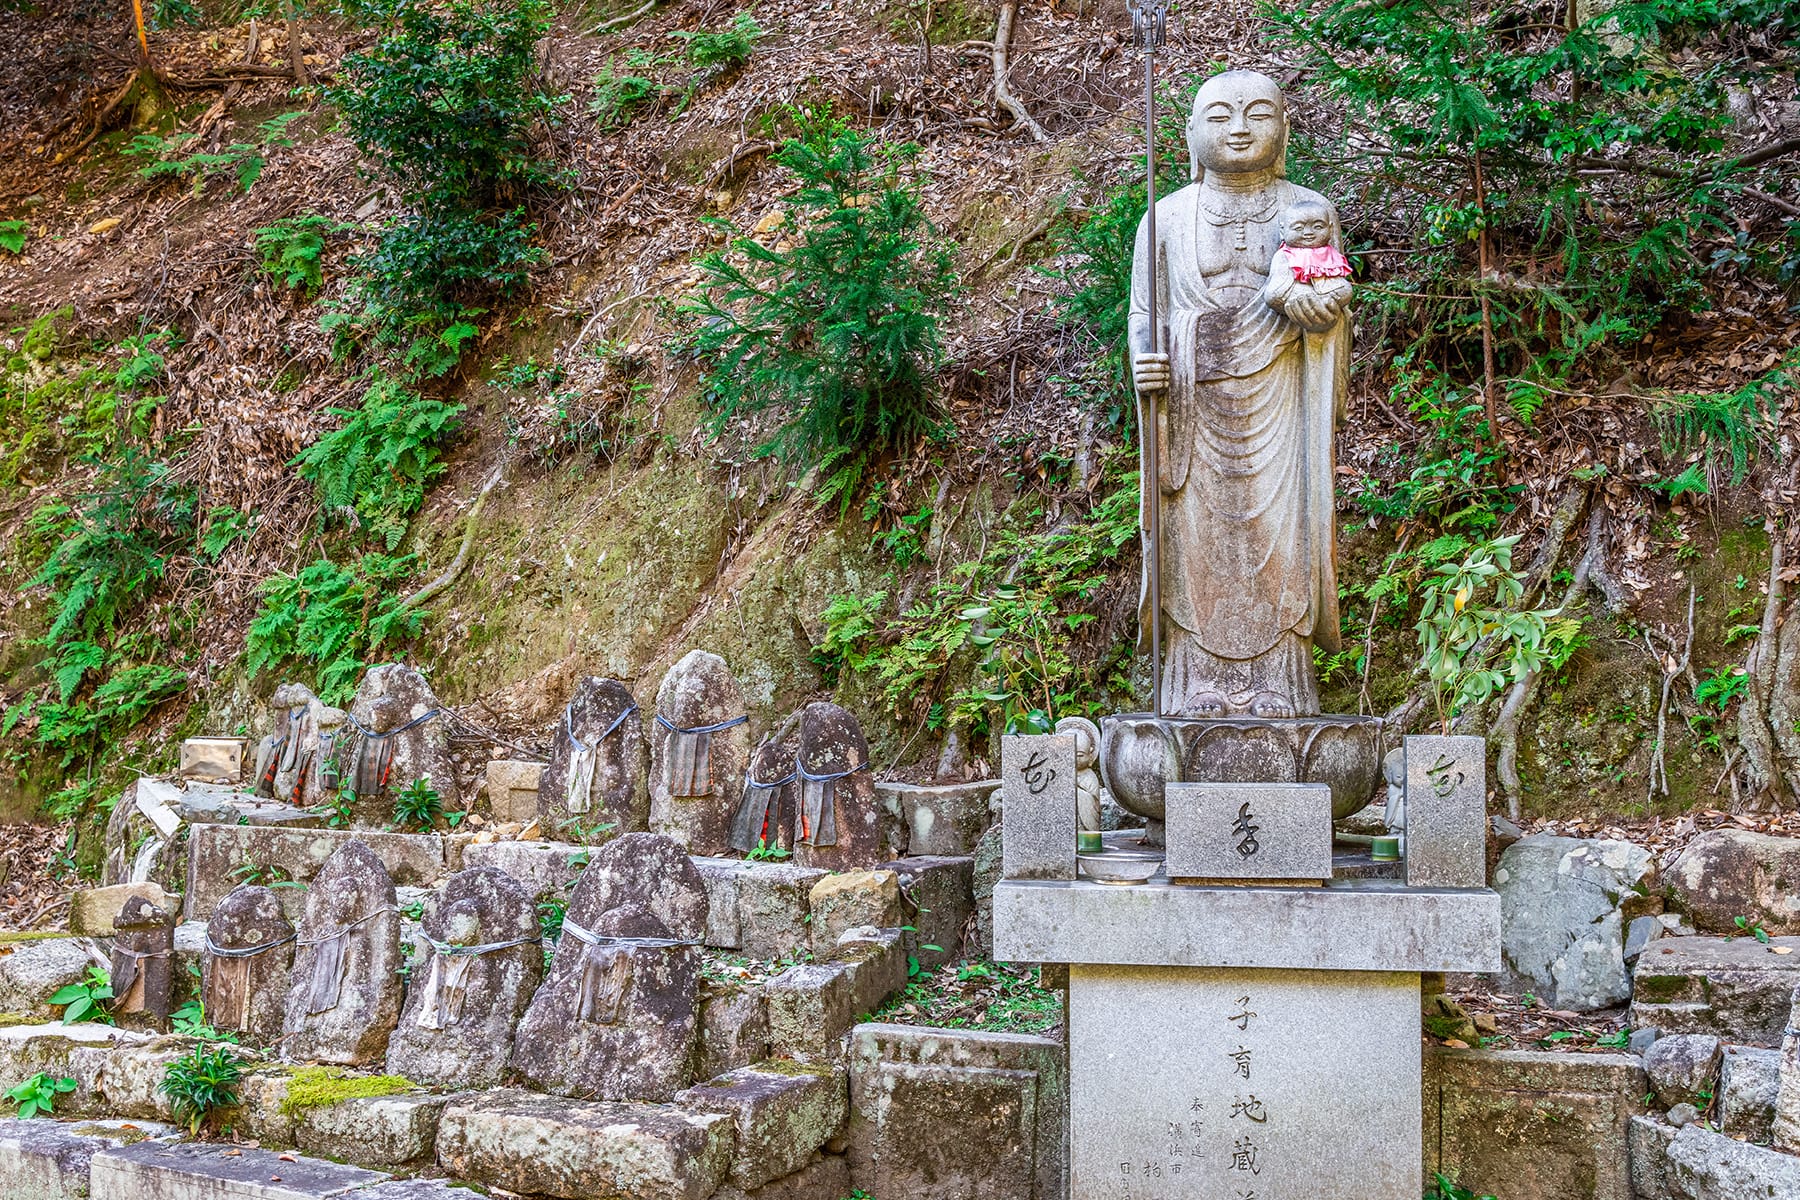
319,1087
13,936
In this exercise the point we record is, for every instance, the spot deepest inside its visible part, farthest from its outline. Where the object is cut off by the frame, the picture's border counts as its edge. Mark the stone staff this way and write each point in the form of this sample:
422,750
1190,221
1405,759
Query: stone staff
1149,22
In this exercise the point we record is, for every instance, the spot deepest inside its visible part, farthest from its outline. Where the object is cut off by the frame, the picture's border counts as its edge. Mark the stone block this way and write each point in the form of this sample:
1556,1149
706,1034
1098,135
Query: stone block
212,1171
91,910
50,1049
938,895
826,1177
852,900
1737,990
216,851
758,908
1681,1067
812,1006
512,789
48,1160
940,818
1749,1081
1446,811
1037,773
988,862
1728,873
783,1115
939,1114
213,759
1247,831
1360,925
1562,903
734,1029
547,869
31,971
1245,1070
126,1080
1647,1141
1703,1165
376,1130
576,1150
1524,1123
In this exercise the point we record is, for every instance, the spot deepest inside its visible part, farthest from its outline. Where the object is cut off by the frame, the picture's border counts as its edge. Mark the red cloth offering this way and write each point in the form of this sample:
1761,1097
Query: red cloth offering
1317,262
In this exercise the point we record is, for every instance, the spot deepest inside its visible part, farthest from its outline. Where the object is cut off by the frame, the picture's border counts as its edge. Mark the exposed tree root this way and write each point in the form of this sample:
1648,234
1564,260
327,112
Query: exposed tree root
1003,95
462,553
1766,715
1673,668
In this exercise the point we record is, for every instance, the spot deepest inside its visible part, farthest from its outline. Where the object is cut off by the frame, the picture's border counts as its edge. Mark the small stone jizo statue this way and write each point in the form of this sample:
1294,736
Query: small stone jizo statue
1089,792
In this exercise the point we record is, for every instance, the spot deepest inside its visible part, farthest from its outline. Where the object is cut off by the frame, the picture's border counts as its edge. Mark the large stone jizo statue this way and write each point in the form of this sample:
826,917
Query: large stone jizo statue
1244,380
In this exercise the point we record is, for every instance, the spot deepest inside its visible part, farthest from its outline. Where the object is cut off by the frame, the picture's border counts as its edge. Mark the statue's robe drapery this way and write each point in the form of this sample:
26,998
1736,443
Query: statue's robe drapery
1248,583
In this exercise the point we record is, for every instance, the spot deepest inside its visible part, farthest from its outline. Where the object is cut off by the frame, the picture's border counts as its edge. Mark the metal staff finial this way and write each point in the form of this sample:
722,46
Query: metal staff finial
1150,26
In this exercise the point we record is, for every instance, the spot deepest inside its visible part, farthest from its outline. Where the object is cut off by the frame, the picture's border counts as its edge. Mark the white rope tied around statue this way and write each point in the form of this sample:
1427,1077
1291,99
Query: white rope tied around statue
590,938
452,950
218,951
341,930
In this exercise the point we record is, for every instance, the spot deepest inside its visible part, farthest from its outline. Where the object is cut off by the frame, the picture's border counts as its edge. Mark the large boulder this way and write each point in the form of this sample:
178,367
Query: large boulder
1562,929
1728,873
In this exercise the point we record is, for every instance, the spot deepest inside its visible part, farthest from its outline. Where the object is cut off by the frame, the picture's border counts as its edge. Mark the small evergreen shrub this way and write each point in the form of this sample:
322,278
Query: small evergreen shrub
837,333
202,1084
417,806
446,101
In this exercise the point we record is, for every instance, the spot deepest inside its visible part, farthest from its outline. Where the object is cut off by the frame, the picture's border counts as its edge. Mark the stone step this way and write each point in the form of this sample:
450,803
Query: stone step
212,1171
1737,989
217,852
49,1160
548,1146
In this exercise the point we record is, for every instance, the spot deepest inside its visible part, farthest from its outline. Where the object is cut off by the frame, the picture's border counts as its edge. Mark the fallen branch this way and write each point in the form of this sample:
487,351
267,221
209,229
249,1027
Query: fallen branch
628,18
1003,95
99,121
462,553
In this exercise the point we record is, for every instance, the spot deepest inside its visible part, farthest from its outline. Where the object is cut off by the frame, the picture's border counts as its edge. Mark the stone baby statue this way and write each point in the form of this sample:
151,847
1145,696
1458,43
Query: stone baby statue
1307,259
143,974
1088,790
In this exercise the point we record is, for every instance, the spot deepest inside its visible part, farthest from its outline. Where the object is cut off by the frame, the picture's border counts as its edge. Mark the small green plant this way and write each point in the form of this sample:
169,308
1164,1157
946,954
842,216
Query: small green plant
622,88
38,1094
1442,1189
12,236
87,1000
1721,687
190,1021
336,618
293,248
1618,1039
202,1084
257,875
837,332
550,918
1747,927
767,853
417,805
376,466
243,161
1471,645
726,48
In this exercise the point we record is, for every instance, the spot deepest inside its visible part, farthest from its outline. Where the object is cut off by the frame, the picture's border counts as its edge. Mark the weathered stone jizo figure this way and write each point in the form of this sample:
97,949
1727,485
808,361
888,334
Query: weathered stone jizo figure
1246,392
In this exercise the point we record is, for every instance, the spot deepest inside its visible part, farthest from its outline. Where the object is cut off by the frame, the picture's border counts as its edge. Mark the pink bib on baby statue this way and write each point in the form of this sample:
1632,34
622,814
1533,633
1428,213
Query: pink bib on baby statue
1317,262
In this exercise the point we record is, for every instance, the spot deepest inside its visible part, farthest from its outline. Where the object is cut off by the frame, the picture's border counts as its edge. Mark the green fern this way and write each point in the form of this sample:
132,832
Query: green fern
293,248
335,618
375,467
